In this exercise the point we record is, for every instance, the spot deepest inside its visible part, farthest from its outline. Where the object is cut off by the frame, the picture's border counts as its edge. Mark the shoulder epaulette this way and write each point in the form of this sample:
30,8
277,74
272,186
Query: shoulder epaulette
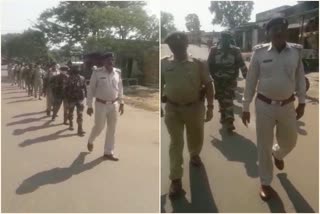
260,46
166,58
295,45
117,70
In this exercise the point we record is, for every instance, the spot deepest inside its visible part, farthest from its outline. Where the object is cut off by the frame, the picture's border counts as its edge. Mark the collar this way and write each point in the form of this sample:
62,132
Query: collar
271,46
105,70
188,59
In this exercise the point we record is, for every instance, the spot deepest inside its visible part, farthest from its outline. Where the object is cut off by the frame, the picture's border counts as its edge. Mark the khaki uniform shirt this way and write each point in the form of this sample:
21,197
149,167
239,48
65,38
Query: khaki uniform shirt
275,75
181,81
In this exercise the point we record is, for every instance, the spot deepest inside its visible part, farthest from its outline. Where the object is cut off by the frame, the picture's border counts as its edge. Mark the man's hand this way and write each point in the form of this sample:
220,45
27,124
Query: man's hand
300,110
209,114
121,109
246,118
90,111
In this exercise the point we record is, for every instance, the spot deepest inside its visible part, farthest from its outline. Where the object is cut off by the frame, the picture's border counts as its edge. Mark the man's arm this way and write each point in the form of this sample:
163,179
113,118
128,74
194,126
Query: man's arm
120,85
211,61
251,82
300,82
92,89
241,64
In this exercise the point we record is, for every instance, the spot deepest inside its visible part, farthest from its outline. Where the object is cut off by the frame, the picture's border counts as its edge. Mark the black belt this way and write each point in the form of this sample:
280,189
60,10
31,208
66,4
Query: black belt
105,101
278,102
180,105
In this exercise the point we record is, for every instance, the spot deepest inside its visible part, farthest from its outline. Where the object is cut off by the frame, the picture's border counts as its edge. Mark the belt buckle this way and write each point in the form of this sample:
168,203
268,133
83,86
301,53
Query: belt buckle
276,102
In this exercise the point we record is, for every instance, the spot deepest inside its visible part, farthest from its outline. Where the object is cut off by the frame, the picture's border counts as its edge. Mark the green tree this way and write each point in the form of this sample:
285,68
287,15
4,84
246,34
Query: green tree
167,24
231,14
193,22
31,45
75,21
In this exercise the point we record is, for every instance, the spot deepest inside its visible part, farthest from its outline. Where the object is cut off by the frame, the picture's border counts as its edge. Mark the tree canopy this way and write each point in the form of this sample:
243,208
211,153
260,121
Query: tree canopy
167,24
193,22
231,14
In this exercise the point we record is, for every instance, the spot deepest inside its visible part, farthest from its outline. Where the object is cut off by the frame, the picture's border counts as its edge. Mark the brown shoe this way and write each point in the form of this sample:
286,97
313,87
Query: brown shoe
110,157
266,192
176,190
196,161
278,163
90,147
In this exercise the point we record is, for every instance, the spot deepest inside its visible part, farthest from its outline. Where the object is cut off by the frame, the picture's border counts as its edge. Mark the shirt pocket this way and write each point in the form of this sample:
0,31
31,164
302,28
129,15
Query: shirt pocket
266,68
115,82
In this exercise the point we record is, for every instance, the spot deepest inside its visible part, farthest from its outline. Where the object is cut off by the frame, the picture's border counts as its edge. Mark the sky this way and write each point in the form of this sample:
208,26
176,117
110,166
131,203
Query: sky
18,15
181,9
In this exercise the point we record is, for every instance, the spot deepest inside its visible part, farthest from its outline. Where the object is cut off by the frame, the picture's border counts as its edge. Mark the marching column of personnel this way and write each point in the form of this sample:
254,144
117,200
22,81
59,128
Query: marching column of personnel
275,73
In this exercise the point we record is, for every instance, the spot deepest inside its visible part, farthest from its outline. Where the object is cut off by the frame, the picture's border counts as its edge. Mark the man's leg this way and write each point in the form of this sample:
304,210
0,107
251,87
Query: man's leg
175,126
111,129
80,107
65,111
99,121
286,131
70,115
56,106
265,123
194,117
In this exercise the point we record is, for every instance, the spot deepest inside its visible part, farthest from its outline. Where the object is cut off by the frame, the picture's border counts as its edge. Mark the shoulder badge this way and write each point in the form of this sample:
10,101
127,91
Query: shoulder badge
260,46
295,45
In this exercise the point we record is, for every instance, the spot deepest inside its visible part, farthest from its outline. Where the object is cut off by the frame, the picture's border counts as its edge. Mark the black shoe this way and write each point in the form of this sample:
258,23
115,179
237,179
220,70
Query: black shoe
90,147
176,190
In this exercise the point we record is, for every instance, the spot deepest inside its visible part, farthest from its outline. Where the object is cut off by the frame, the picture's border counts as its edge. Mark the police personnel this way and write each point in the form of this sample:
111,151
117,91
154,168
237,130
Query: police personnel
277,72
58,84
106,86
224,62
183,78
75,92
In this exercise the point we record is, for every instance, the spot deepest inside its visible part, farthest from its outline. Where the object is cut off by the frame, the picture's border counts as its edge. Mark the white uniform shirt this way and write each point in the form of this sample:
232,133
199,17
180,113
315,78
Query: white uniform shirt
275,75
105,86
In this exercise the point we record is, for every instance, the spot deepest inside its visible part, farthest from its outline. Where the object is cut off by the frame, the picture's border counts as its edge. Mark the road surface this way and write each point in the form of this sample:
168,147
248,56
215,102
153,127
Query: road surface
46,167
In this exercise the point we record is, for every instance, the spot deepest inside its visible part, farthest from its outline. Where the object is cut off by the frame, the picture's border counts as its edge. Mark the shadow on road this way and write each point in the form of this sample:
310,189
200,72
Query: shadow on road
35,128
299,127
10,98
29,114
27,120
312,100
276,204
240,149
46,138
57,175
13,92
201,197
299,202
21,101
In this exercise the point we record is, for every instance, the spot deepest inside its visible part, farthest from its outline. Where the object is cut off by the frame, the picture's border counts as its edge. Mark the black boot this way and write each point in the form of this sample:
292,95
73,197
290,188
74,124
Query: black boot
176,190
71,126
80,130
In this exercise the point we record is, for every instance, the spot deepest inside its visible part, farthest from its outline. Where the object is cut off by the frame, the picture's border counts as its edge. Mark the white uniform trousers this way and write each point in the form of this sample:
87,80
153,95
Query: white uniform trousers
268,117
105,112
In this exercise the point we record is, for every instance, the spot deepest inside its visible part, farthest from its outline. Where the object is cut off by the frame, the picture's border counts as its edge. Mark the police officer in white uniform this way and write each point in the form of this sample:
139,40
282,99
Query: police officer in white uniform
106,86
276,73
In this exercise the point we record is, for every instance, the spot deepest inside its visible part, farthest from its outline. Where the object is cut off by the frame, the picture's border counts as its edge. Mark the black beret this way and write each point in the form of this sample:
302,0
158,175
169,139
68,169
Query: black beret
275,21
64,68
107,55
176,36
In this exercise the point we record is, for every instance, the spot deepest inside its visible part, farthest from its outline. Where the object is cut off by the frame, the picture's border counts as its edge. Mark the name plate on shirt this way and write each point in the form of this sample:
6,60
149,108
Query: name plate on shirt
267,60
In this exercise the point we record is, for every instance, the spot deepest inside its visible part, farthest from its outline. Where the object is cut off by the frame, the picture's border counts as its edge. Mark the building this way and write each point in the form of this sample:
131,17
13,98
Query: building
303,26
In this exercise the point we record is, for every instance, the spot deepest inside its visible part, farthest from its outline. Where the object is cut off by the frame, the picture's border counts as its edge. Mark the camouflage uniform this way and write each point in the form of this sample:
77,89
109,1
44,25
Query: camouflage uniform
76,91
58,84
224,67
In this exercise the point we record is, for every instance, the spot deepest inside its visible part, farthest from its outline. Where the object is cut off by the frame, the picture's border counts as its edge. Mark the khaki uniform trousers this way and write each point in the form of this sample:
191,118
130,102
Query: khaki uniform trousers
102,113
268,117
176,118
49,98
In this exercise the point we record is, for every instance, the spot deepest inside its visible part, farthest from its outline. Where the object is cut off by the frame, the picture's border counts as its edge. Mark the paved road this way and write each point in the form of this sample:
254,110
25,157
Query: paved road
229,181
46,167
